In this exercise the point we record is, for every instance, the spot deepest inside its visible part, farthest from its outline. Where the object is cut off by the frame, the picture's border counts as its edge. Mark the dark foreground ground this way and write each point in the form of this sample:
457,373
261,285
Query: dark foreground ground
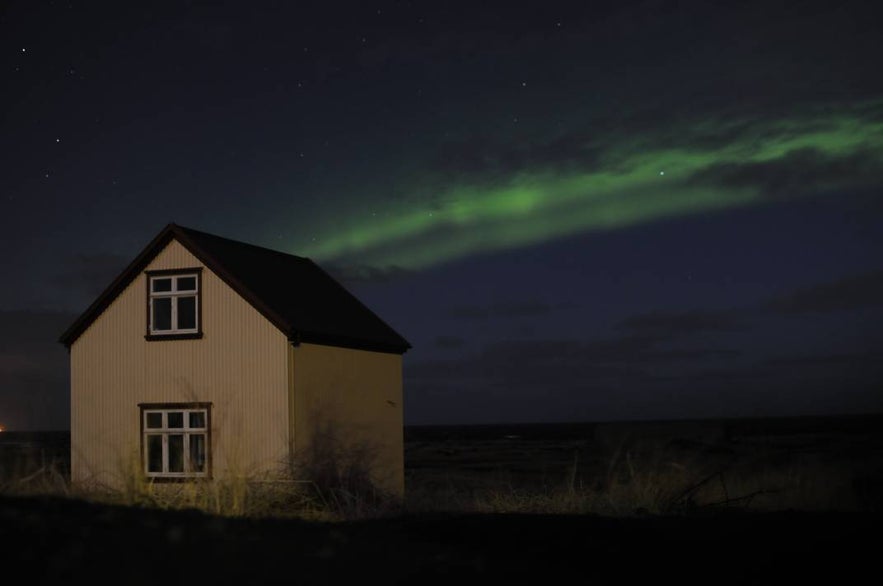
816,514
59,541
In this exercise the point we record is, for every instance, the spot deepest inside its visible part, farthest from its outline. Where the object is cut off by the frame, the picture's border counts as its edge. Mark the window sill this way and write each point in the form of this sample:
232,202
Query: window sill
158,337
178,478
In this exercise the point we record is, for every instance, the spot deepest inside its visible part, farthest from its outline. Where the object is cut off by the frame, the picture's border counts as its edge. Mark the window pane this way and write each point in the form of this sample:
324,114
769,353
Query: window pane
176,420
186,283
197,419
162,314
161,284
154,420
176,453
154,453
186,313
197,453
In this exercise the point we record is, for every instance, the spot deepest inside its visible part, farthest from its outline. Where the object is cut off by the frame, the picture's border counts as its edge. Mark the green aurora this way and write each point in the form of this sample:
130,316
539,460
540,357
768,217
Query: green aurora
690,168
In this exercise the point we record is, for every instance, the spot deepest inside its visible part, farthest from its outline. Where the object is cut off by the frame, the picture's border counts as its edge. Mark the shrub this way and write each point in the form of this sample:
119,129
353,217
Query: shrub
340,474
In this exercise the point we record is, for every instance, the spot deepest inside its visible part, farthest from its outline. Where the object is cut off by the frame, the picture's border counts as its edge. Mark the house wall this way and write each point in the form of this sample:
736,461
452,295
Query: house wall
354,398
240,366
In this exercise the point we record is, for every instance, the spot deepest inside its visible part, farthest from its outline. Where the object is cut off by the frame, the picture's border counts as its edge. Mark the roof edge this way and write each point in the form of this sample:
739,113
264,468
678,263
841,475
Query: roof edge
173,231
405,343
346,342
218,268
170,232
116,286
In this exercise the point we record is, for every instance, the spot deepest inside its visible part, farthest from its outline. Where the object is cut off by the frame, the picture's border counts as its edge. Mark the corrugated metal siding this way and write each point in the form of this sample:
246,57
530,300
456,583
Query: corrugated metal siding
240,366
358,394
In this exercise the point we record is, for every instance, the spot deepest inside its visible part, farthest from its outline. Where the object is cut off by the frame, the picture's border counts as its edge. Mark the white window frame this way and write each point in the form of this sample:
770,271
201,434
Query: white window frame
174,294
165,431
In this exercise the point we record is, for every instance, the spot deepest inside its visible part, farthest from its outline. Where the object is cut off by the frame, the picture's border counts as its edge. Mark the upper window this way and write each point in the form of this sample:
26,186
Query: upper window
173,309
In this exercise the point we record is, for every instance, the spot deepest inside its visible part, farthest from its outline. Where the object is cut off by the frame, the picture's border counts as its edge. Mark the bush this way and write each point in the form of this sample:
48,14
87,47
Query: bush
340,474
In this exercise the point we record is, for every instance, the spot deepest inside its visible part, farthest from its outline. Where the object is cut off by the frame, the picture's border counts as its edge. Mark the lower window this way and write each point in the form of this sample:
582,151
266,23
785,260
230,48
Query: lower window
176,440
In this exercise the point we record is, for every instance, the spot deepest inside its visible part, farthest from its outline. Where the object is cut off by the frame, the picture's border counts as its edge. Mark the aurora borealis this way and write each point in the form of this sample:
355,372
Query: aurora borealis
572,210
674,172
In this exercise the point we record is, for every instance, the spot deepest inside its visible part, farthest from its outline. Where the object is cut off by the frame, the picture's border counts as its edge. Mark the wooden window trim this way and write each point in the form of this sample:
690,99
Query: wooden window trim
152,336
209,467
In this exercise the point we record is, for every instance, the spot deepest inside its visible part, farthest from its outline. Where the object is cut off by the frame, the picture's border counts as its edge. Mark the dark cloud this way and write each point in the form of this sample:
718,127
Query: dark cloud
797,173
849,359
481,155
34,371
854,292
356,274
713,376
90,274
504,309
627,351
723,125
860,291
32,331
689,355
686,322
634,377
449,342
536,380
520,362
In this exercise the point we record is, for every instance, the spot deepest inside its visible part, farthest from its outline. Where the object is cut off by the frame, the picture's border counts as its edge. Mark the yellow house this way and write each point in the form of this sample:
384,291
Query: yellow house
208,357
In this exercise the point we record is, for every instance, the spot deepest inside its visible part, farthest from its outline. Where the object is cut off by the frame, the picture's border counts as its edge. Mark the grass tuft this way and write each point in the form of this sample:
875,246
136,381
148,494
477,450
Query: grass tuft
331,480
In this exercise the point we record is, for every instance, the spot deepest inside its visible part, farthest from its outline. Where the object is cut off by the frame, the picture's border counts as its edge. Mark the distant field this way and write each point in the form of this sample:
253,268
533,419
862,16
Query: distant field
23,453
750,502
804,463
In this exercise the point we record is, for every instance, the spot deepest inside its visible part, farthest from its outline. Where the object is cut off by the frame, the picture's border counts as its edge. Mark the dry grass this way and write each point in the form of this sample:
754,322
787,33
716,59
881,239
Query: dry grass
662,477
338,476
33,471
239,493
332,481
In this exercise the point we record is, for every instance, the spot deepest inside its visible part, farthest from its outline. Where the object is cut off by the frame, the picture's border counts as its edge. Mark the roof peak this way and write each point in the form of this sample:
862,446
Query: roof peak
178,228
292,292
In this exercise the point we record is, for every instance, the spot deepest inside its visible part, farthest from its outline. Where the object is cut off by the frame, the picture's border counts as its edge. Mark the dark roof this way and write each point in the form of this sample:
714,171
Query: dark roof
292,292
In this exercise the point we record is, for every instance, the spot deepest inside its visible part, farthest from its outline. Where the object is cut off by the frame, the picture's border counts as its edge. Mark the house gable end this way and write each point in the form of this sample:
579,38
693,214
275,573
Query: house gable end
284,285
117,286
141,262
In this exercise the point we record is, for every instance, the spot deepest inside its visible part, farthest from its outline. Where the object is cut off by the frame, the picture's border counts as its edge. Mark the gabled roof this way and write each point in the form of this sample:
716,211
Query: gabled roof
292,292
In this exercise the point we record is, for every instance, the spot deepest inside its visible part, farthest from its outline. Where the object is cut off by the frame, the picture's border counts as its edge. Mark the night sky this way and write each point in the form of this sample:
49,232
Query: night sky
580,211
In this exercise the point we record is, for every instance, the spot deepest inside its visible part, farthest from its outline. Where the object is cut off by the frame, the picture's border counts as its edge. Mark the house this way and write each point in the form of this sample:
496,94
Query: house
208,358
